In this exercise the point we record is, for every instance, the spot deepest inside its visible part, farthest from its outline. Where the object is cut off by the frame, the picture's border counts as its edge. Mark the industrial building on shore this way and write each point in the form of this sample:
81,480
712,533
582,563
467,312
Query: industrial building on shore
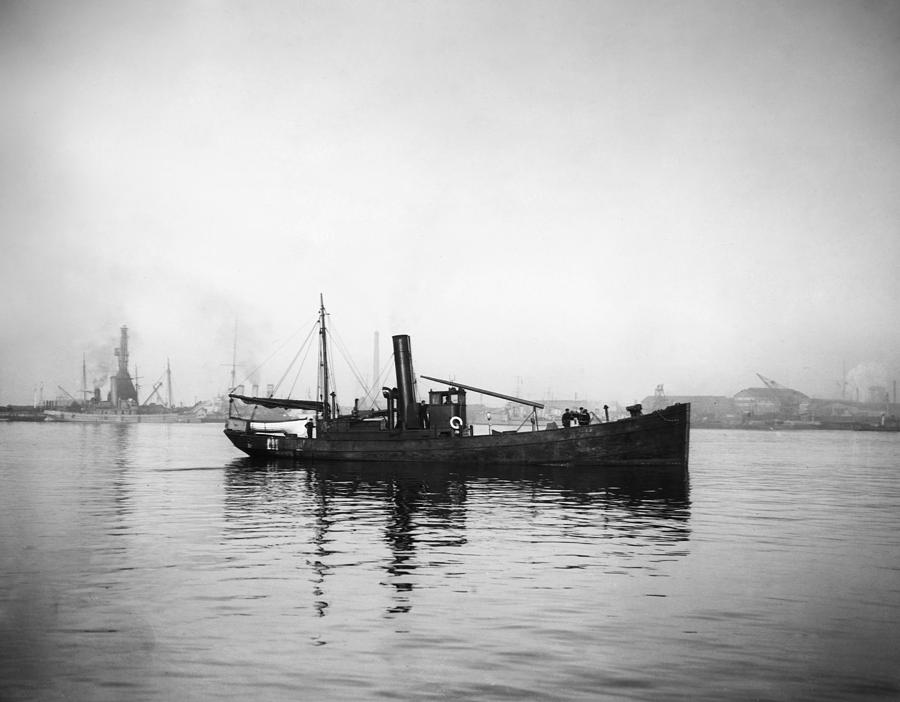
774,405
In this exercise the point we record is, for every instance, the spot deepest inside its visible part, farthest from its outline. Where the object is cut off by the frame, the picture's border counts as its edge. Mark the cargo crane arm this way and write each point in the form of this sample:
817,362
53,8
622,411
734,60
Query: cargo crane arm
155,391
519,400
68,394
771,384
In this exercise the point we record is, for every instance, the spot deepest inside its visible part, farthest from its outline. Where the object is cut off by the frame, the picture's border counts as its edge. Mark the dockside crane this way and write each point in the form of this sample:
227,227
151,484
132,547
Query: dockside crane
68,394
785,398
771,384
155,391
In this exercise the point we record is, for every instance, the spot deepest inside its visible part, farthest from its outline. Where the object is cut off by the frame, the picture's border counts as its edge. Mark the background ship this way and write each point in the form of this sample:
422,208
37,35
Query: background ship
121,405
413,430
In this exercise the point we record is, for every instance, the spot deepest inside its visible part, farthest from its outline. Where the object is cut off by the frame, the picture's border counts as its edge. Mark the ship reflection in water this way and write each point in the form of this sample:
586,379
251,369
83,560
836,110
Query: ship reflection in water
418,527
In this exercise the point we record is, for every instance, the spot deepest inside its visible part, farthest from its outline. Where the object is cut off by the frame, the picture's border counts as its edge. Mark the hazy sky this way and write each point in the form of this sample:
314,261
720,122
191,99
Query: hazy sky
549,197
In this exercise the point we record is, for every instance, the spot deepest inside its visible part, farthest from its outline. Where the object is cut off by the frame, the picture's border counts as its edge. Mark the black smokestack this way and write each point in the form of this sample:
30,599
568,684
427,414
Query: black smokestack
406,405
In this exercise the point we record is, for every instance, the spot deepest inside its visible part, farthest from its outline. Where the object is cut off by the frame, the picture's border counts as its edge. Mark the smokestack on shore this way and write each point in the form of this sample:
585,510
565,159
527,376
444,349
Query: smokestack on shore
122,352
121,385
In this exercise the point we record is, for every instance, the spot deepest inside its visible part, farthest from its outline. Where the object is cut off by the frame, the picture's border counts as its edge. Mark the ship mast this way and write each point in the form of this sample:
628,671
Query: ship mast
323,361
169,383
84,390
376,372
233,358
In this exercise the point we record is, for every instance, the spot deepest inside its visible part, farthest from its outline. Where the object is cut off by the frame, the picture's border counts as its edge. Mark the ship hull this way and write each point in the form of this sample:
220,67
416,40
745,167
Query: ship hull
657,439
114,417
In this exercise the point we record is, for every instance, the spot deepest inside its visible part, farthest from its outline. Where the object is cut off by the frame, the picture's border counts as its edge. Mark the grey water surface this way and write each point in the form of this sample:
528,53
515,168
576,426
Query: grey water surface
152,562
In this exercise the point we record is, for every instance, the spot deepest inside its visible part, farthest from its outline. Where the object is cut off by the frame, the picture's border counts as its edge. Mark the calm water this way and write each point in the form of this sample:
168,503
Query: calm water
153,563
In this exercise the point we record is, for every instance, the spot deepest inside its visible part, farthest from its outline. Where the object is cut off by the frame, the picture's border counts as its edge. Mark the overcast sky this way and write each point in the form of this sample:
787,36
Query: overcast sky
550,197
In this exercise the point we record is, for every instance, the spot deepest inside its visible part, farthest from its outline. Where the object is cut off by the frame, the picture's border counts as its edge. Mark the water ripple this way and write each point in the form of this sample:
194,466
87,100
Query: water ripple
148,563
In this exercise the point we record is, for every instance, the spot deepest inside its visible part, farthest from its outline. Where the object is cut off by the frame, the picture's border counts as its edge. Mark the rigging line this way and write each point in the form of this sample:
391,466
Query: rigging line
327,362
269,357
382,376
302,363
293,361
531,416
372,393
342,347
387,365
346,355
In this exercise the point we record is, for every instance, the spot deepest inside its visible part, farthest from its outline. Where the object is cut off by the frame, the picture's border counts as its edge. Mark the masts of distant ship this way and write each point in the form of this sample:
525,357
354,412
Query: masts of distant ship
233,359
169,383
84,390
376,372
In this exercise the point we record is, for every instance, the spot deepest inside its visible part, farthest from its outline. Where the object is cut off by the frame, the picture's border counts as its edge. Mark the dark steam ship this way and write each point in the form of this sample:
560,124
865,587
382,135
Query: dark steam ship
438,430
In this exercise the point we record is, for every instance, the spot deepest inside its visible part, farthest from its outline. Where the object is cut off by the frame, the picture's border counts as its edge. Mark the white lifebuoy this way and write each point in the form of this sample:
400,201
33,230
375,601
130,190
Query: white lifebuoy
456,423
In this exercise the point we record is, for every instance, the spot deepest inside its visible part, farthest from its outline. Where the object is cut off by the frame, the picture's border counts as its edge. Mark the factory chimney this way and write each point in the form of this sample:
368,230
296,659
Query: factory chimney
121,386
